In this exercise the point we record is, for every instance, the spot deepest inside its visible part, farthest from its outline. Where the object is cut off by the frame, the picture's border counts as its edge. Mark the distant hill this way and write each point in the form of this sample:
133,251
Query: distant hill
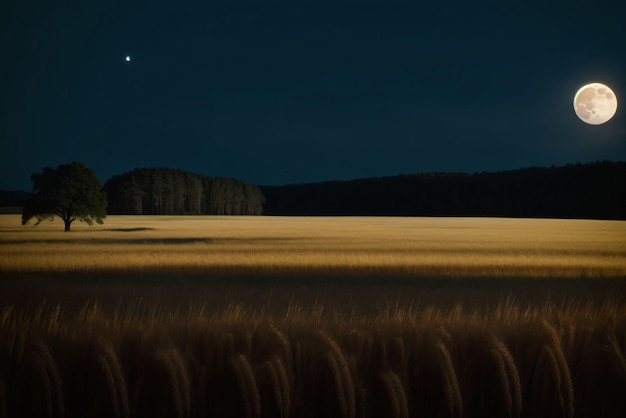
594,191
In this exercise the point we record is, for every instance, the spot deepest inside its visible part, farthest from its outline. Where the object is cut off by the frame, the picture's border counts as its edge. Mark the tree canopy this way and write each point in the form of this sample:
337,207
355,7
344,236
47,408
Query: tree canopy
166,191
71,192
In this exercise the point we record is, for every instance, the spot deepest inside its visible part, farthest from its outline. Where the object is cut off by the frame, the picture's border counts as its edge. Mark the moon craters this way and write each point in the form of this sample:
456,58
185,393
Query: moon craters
595,103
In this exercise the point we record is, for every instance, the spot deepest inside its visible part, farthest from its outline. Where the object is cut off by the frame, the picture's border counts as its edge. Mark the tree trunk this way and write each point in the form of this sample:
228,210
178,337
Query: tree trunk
68,222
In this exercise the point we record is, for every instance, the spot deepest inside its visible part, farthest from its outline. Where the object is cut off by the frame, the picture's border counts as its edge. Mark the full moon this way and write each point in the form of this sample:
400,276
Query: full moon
595,103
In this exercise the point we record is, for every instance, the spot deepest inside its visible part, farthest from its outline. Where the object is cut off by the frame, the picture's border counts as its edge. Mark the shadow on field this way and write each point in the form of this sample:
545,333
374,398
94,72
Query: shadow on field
146,240
342,291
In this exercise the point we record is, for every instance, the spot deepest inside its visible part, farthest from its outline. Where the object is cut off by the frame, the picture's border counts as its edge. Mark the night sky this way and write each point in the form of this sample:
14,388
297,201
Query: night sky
275,95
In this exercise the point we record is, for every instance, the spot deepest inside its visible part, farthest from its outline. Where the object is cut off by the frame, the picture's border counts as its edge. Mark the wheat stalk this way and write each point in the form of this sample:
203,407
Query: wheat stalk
49,378
115,382
263,374
396,395
338,385
341,376
247,385
509,377
172,383
617,353
269,342
545,384
283,384
566,387
453,391
176,366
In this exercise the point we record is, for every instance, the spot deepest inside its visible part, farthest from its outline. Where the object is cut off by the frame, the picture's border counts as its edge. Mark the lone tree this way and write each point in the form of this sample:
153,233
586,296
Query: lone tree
71,192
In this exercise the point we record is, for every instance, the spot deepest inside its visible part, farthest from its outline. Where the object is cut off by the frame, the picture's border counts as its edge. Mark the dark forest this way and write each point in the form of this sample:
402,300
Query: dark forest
164,191
595,190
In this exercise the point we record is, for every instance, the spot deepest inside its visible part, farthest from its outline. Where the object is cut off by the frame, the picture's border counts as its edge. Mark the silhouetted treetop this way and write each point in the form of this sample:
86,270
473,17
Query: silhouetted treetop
71,192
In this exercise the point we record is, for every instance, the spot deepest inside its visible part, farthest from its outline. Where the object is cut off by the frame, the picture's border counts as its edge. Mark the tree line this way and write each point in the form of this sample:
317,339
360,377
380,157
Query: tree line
595,190
72,191
165,191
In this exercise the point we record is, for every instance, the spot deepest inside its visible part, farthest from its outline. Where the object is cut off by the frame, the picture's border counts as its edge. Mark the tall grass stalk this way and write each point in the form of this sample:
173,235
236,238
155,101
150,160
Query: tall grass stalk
512,361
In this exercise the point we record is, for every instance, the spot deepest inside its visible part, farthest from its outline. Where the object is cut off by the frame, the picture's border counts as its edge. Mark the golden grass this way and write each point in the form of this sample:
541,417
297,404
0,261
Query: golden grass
464,332
417,247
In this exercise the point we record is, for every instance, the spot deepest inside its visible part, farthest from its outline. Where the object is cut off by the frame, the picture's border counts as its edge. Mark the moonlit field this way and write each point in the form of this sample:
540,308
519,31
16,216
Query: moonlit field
403,247
325,316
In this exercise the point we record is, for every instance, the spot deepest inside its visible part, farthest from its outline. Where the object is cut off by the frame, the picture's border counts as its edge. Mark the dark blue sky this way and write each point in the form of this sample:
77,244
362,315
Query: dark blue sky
275,95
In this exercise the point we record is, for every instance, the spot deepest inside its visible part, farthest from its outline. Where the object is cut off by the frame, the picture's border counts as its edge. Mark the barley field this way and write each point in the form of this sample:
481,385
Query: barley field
313,317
